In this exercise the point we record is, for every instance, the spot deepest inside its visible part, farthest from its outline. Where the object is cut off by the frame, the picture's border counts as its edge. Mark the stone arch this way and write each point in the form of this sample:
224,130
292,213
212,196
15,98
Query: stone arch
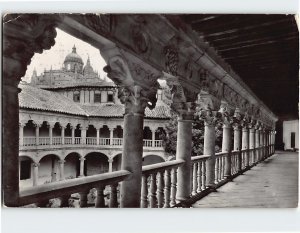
49,168
72,165
117,160
152,159
95,163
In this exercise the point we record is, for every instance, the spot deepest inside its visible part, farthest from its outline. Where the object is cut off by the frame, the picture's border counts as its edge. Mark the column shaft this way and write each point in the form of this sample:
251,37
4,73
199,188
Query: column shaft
81,172
209,149
252,143
132,159
226,148
183,151
98,137
62,135
61,170
73,135
35,176
245,145
37,135
110,163
237,145
153,137
111,136
50,134
21,134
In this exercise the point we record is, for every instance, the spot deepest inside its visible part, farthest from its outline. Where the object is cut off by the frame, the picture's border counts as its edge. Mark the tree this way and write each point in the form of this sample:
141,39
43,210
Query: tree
169,137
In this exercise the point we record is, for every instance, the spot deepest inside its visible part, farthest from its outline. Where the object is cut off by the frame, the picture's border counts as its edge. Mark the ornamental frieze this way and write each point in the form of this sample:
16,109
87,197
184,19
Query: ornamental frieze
171,59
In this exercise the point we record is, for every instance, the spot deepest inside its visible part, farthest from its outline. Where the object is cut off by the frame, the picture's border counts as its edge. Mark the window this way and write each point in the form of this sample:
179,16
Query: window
110,97
25,170
76,96
97,97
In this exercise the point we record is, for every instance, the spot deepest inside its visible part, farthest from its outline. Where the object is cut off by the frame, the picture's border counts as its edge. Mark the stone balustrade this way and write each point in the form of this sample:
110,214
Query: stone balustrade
29,142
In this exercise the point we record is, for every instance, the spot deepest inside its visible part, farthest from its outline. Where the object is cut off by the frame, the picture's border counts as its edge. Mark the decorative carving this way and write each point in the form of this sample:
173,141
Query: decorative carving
216,88
203,75
171,59
140,39
208,109
226,114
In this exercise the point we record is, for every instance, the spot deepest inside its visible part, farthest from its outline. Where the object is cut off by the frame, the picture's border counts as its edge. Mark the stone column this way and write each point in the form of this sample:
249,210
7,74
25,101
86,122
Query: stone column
257,142
252,143
153,137
110,163
245,144
73,134
226,147
83,134
37,134
237,143
98,135
61,169
92,94
111,135
81,172
50,133
63,135
132,155
35,173
261,135
183,151
82,96
21,133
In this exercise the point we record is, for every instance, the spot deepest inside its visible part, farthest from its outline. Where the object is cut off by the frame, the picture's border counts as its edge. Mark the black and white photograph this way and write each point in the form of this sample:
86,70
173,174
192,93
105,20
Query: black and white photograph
150,110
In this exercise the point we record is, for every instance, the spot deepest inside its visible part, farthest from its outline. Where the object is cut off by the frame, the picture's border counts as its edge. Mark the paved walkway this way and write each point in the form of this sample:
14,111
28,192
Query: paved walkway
272,183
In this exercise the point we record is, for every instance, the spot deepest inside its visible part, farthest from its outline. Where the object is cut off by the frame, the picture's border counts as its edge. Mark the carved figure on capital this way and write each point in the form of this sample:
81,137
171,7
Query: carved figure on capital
226,114
208,109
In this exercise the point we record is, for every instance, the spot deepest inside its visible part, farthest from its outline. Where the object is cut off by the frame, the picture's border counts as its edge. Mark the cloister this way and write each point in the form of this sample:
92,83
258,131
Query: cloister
138,50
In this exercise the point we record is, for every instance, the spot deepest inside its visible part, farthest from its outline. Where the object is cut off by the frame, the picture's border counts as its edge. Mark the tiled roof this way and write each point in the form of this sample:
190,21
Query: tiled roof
39,99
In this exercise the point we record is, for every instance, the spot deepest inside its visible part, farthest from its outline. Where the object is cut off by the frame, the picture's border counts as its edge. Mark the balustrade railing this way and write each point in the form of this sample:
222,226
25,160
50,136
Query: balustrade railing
56,141
44,140
235,162
198,173
104,141
91,141
77,140
159,184
147,142
158,143
28,141
117,141
220,167
43,194
68,140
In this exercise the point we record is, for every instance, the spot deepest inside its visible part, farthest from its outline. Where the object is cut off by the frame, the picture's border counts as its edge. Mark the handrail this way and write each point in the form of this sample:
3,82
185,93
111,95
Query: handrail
67,187
221,153
162,166
199,157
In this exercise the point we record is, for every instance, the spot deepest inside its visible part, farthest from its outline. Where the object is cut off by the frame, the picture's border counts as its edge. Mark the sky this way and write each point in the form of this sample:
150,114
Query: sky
56,55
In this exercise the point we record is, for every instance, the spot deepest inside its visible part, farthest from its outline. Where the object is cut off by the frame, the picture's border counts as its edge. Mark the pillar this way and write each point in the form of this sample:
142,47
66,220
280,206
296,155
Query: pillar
257,144
83,134
209,149
82,96
111,135
153,137
21,133
35,173
237,144
226,148
81,171
252,143
37,134
245,144
183,151
63,135
98,136
261,135
61,169
110,163
50,133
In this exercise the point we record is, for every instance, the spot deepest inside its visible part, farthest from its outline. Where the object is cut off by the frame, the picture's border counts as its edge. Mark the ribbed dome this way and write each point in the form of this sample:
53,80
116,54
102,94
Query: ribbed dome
73,57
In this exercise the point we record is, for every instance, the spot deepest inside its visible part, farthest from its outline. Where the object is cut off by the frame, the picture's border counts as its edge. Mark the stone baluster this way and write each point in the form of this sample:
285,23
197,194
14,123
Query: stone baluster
173,186
195,180
199,177
81,170
61,169
167,188
160,189
113,202
35,173
144,193
100,202
153,189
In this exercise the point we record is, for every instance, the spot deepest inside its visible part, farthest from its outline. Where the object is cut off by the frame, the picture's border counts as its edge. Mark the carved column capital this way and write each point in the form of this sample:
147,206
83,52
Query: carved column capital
226,115
61,161
35,164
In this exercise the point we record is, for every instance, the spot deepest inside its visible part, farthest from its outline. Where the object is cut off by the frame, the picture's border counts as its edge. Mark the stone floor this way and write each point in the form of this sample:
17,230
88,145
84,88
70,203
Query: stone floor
272,183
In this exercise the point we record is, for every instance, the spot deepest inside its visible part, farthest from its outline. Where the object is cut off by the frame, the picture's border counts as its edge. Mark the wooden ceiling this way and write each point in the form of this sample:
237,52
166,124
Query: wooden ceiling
262,49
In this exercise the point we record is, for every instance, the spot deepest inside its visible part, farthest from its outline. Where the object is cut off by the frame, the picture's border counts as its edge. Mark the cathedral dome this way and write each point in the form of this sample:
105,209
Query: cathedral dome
73,57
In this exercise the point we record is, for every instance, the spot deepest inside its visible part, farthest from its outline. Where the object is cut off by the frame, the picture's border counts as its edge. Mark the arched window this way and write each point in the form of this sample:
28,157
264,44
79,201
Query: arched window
97,97
110,96
76,96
